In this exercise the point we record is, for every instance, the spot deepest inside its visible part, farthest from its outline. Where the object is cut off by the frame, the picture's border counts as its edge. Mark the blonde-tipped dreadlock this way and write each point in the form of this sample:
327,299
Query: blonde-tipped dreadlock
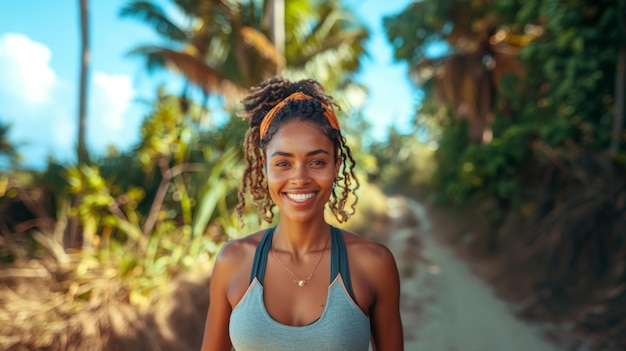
261,100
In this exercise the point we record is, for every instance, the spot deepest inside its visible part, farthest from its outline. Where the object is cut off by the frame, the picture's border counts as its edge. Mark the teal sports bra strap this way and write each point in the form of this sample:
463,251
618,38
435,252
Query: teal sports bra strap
260,256
339,260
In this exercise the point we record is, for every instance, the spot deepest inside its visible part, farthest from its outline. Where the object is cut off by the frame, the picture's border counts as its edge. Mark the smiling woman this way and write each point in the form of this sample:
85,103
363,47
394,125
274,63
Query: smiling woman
303,284
289,102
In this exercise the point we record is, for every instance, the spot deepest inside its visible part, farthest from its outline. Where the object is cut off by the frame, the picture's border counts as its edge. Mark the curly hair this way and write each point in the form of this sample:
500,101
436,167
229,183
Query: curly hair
257,104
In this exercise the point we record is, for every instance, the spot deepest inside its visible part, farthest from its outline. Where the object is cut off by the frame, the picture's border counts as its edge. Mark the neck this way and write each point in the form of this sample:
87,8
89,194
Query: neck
301,238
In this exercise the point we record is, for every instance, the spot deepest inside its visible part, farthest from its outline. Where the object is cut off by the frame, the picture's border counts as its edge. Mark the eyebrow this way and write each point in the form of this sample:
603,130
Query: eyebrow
310,153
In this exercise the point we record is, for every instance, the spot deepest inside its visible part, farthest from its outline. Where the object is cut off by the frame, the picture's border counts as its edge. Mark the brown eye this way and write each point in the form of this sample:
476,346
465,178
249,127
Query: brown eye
318,163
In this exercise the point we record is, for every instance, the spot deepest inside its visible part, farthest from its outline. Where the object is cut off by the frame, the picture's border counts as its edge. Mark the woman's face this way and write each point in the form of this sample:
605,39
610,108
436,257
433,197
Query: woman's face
301,170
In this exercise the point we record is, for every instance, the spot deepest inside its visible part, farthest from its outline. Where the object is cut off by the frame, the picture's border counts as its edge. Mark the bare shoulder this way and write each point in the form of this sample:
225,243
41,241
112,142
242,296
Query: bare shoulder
237,252
368,252
372,267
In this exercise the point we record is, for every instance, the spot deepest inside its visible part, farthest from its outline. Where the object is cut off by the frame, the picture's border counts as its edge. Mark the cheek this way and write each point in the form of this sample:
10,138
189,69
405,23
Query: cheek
275,181
275,177
329,178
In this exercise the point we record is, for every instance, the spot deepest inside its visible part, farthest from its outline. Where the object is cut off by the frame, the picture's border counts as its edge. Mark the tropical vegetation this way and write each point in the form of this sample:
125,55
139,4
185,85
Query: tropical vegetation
101,241
518,136
525,100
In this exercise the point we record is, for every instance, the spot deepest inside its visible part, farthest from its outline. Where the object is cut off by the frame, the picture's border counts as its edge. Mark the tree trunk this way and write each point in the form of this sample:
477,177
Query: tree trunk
620,78
75,233
618,122
82,154
277,27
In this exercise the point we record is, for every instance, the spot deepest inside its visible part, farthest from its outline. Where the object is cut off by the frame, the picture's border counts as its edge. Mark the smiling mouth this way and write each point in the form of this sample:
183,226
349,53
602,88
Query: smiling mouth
300,197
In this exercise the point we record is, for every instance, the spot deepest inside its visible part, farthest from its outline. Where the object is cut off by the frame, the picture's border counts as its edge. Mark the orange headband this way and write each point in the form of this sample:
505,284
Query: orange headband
332,119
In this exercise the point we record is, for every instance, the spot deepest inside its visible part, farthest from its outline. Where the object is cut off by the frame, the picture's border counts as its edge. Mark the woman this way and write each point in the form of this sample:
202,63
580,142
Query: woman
303,284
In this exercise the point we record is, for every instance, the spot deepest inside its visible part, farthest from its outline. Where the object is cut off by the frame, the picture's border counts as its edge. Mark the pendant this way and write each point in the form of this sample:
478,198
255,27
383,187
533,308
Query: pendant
301,282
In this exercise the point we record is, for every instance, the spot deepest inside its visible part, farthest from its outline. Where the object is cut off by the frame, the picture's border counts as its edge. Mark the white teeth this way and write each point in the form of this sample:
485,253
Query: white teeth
300,197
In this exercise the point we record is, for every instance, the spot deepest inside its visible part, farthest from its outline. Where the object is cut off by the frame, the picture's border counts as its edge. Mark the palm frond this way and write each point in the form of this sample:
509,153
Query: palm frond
154,16
207,78
151,54
333,43
261,43
193,68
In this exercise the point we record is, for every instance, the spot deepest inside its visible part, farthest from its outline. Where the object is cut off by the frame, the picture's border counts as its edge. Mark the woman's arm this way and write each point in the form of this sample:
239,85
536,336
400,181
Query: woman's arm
216,335
385,318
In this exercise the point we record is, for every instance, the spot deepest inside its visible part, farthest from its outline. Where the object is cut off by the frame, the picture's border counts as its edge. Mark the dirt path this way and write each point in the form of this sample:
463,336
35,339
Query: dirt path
444,306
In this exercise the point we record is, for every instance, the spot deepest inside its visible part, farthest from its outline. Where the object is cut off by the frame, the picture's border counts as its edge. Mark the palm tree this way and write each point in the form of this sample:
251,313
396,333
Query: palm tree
216,50
325,41
82,153
226,47
477,53
75,233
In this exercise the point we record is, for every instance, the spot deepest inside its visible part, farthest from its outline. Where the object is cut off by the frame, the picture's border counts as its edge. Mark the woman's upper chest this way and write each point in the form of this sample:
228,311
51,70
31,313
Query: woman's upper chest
290,302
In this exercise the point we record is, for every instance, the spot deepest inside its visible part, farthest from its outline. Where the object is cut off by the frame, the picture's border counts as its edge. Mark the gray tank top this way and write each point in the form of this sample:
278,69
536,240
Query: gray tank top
342,325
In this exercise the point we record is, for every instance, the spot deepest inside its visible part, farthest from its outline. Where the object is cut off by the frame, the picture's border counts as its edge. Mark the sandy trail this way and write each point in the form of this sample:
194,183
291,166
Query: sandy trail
444,306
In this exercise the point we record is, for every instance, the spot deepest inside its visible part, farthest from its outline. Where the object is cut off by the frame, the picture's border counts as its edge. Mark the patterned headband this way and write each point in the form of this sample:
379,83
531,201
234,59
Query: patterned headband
332,119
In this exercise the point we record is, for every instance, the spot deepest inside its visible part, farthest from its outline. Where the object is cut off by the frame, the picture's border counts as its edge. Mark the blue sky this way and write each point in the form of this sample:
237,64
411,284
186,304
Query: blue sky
39,72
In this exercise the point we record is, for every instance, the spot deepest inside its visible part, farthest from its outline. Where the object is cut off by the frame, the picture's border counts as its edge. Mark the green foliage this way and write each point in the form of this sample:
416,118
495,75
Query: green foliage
413,29
227,47
159,210
421,31
9,157
449,156
573,61
548,185
404,164
491,169
564,99
324,41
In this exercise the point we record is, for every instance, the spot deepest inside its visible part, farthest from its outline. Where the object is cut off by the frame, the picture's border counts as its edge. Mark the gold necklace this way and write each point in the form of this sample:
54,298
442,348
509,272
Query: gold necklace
302,282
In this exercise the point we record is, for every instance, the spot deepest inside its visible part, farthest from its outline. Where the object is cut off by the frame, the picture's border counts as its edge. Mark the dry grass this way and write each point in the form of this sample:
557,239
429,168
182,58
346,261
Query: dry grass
44,307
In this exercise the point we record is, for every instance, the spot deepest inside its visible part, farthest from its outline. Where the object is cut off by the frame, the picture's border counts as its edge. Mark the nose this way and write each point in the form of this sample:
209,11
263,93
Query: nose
300,176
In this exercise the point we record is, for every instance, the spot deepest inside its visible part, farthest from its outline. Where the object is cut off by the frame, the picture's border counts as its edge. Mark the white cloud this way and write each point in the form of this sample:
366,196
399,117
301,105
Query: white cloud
33,101
114,92
25,68
42,107
108,120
